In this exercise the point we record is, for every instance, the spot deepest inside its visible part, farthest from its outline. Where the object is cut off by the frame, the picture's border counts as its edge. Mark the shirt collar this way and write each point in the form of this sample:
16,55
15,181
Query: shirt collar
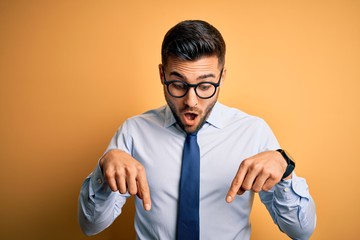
169,117
214,119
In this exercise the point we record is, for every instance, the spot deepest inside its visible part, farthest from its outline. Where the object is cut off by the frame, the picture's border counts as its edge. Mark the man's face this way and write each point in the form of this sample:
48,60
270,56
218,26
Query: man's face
191,111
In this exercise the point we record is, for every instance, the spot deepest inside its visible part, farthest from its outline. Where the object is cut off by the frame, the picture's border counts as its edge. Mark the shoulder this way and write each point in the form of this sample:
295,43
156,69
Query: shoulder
150,114
148,118
252,128
231,115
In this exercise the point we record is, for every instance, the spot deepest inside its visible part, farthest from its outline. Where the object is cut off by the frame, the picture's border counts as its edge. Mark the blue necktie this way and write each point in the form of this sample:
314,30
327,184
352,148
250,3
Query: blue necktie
189,193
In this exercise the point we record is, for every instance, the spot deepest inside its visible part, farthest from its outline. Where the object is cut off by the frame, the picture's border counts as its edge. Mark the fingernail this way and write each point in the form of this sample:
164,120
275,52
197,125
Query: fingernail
228,199
147,207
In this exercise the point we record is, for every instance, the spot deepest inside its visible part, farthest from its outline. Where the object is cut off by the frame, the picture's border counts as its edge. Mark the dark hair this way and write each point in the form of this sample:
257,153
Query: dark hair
191,40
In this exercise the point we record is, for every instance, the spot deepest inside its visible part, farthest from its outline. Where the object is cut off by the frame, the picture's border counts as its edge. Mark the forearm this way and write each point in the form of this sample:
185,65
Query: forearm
98,206
292,208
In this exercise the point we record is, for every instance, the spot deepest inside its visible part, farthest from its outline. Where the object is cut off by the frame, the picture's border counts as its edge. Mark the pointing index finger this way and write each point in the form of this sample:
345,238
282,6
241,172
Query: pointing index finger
144,191
236,184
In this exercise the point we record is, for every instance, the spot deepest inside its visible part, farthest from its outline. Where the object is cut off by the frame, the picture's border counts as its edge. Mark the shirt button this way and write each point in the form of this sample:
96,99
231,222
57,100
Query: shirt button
99,181
286,189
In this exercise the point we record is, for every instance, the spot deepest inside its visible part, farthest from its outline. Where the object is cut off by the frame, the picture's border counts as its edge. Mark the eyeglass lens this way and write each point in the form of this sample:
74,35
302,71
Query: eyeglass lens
203,90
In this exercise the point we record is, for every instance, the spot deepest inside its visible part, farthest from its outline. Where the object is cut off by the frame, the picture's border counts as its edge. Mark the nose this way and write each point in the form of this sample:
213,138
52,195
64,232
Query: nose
191,99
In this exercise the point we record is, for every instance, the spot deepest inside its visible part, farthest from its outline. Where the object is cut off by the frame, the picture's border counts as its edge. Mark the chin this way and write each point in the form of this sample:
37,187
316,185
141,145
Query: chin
190,130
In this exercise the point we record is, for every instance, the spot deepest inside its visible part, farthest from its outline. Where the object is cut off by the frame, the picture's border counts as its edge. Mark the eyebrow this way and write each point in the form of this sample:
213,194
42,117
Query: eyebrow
204,76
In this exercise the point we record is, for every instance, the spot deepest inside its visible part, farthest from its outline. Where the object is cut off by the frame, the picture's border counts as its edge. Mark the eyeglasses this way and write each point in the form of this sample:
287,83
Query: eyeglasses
179,89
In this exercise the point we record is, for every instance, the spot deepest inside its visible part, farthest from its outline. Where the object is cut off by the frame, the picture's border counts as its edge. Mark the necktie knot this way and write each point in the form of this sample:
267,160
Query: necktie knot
191,138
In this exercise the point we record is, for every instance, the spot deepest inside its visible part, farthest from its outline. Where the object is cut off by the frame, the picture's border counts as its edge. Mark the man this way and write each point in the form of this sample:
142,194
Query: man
187,161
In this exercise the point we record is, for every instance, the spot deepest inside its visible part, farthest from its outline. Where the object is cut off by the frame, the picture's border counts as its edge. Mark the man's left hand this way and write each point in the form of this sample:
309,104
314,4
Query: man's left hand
259,172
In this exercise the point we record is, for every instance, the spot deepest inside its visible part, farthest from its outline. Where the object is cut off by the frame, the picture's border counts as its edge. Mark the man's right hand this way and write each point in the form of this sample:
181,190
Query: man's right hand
125,174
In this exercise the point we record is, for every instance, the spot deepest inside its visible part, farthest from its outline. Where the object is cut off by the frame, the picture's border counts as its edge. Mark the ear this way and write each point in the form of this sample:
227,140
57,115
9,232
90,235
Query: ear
161,73
223,77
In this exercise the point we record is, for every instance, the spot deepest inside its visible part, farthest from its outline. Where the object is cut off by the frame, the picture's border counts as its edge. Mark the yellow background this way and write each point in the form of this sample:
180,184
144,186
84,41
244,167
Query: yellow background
72,71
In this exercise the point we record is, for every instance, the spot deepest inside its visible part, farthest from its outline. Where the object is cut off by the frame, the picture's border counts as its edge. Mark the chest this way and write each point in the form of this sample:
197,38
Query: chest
221,153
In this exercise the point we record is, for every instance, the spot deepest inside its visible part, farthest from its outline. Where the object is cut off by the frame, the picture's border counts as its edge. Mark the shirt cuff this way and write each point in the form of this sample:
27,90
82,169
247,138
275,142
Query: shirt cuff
98,183
292,188
293,195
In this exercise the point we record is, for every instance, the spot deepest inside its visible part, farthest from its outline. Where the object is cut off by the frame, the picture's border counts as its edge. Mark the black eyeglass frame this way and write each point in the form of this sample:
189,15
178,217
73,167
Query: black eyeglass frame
188,86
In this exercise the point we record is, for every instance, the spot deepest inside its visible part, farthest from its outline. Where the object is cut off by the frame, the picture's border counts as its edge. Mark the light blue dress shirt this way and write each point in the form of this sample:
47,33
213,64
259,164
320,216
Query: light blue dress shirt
228,137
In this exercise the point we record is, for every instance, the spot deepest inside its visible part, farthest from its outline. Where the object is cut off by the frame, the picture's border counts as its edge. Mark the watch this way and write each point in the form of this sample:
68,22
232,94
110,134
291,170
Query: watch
291,164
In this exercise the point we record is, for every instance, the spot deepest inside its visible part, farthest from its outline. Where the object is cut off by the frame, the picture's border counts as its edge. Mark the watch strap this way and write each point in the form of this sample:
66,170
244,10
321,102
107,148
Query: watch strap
291,164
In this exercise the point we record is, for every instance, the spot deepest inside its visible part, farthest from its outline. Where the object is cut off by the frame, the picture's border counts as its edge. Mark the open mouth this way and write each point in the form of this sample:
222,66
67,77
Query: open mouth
190,116
190,119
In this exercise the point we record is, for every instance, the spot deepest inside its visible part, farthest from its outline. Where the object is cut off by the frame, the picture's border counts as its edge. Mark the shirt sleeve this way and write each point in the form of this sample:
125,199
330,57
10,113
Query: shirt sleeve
98,205
291,207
